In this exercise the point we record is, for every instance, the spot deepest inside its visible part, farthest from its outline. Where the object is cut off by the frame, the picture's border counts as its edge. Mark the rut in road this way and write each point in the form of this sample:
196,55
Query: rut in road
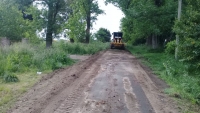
111,81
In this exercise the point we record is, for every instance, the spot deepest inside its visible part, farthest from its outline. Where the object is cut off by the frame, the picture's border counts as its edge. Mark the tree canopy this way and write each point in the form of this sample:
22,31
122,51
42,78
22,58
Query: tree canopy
84,14
13,26
74,17
103,35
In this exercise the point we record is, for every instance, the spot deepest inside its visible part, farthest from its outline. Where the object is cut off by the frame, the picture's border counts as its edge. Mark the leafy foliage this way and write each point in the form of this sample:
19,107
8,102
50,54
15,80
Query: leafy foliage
146,19
84,13
13,26
188,30
10,77
103,35
76,24
10,20
170,47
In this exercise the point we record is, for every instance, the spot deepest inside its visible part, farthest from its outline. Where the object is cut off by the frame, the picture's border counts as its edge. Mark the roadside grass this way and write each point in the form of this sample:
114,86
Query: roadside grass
9,92
184,86
19,64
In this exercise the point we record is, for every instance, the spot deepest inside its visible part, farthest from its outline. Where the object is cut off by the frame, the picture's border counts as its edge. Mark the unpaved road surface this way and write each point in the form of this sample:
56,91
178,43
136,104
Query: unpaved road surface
111,81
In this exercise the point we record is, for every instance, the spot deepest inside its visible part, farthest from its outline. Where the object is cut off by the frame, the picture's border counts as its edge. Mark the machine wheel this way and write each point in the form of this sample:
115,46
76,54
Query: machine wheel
123,47
111,46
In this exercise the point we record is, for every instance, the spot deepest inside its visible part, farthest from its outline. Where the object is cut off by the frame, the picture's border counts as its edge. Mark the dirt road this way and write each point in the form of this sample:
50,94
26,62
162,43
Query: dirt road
111,81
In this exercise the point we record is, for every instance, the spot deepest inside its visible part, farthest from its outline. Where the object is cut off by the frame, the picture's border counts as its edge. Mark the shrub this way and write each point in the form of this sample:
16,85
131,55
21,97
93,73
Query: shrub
170,47
10,77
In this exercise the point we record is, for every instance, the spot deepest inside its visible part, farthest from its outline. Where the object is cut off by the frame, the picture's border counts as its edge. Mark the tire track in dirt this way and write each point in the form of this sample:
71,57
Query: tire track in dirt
49,91
160,102
111,81
130,97
68,104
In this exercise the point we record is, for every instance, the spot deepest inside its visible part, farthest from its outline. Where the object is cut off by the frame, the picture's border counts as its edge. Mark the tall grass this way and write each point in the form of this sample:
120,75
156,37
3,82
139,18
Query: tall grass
26,57
183,84
21,57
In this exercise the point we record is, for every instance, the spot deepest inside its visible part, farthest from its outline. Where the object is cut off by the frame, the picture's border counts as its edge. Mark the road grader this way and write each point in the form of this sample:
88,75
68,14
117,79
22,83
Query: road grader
117,42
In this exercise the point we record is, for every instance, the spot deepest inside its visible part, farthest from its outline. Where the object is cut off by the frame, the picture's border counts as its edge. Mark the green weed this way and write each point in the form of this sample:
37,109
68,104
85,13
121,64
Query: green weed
10,77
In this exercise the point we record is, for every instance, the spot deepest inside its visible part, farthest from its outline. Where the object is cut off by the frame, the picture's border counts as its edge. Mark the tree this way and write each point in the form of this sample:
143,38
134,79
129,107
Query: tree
13,26
76,23
103,35
55,18
188,29
84,13
56,12
146,19
91,8
10,21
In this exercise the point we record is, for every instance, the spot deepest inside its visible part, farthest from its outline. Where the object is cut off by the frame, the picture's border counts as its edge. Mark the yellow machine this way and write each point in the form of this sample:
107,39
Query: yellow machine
117,40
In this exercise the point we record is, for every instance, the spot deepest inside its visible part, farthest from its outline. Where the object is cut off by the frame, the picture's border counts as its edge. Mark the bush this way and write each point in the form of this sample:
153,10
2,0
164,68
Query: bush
10,77
170,47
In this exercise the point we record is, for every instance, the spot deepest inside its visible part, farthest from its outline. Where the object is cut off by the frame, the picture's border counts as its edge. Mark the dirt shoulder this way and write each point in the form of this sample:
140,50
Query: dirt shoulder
111,81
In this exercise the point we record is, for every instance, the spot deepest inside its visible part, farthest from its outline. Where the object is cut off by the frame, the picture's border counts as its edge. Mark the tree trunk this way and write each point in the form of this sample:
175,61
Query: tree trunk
49,39
50,26
149,41
154,42
88,19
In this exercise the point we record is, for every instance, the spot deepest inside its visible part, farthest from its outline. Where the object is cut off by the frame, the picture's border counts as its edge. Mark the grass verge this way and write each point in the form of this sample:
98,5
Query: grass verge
9,92
184,87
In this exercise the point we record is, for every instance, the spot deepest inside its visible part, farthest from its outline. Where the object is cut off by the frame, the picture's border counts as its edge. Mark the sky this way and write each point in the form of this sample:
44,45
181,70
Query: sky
110,20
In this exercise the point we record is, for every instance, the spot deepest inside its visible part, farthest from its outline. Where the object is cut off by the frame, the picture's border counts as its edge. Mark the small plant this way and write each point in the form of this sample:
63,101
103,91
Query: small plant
10,77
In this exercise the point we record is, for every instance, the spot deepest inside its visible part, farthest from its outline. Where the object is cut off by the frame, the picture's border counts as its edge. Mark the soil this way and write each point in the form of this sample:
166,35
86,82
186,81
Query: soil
111,81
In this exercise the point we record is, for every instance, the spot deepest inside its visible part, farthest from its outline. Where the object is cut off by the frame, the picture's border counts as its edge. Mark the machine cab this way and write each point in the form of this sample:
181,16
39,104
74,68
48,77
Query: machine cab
117,37
117,40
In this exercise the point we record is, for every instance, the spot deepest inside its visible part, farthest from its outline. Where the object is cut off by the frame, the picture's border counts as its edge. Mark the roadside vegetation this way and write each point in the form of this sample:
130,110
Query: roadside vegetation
82,48
19,64
184,84
103,35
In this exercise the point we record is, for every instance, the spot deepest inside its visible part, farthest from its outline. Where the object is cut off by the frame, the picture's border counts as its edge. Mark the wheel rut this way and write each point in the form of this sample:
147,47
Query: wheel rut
111,81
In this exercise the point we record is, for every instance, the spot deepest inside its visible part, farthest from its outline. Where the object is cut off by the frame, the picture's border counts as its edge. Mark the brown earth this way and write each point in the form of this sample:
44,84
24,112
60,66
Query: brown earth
111,81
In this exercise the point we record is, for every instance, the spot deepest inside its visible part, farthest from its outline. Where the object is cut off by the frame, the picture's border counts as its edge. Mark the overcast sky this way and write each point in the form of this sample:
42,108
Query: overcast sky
110,20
